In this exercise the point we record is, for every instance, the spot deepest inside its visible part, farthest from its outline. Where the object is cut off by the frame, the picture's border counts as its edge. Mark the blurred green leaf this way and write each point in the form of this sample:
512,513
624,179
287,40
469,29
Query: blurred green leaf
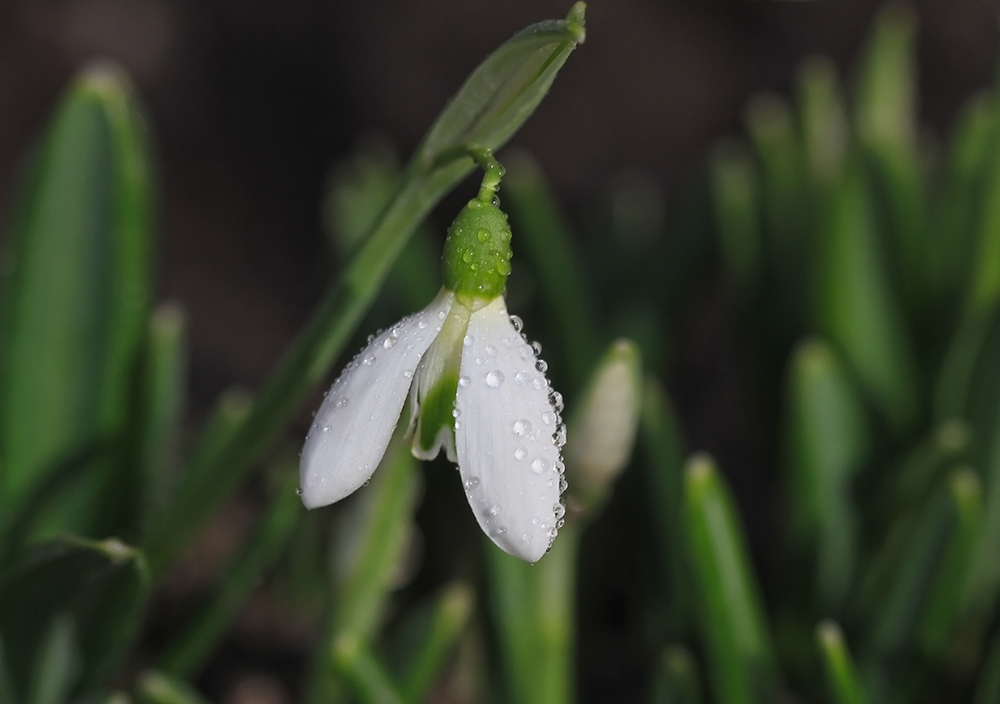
856,307
838,664
154,687
533,608
433,640
543,233
492,104
360,667
74,287
664,451
926,464
735,190
57,663
732,621
187,653
101,585
504,90
825,130
6,684
826,432
988,687
675,679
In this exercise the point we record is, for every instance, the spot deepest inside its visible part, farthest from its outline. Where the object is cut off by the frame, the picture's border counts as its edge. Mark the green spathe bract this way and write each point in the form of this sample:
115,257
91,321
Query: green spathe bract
477,254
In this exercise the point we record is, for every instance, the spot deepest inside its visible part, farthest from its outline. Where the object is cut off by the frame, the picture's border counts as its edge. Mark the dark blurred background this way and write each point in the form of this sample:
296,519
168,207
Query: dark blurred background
252,103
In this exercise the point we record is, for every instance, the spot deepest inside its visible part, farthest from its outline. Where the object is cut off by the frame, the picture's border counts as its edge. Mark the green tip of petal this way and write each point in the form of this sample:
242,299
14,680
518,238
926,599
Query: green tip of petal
476,260
576,21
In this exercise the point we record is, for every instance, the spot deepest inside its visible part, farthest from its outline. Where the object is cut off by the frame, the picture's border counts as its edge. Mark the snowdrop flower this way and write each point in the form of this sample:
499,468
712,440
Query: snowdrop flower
477,390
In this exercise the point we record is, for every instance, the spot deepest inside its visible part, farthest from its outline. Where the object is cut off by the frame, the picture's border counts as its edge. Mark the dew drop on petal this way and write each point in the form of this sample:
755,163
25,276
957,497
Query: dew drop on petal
369,360
520,453
548,417
442,315
521,377
456,413
559,437
494,510
422,325
491,351
537,347
559,510
539,465
542,366
299,491
342,401
464,381
524,352
389,342
467,257
468,341
472,482
326,428
482,235
516,322
494,379
522,427
408,373
539,383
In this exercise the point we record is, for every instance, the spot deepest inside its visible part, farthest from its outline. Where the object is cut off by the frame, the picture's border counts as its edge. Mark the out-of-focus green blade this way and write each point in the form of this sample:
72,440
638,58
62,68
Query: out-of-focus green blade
542,232
675,679
154,687
735,195
841,677
825,130
948,599
374,533
732,623
196,640
533,609
503,91
6,685
57,663
430,647
856,307
74,284
826,432
664,451
368,678
926,464
988,686
101,585
492,104
886,120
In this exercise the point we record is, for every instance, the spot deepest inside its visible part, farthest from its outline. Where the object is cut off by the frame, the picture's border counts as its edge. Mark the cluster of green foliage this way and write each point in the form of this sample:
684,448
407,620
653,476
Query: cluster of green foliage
864,266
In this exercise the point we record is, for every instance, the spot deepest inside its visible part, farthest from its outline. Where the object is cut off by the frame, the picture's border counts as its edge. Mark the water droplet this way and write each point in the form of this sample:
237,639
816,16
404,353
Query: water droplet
503,267
534,521
539,383
525,537
522,376
456,413
442,315
559,437
369,360
556,401
326,428
491,351
501,530
522,427
524,352
560,466
299,491
537,347
542,366
539,465
422,324
559,510
342,401
474,266
367,481
469,339
464,381
482,235
494,379
472,482
494,510
560,523
548,417
517,323
370,339
520,453
496,202
479,361
390,342
458,425
562,483
467,257
408,373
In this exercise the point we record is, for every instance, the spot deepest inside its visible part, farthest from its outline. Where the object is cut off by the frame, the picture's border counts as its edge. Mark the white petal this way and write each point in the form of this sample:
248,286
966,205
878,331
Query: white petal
353,426
510,464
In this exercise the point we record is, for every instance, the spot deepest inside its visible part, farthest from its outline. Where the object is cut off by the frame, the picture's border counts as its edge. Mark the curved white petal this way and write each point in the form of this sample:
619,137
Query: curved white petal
353,426
510,463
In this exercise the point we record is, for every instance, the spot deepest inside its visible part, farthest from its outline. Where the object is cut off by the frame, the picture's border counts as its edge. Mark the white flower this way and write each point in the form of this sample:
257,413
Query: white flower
478,390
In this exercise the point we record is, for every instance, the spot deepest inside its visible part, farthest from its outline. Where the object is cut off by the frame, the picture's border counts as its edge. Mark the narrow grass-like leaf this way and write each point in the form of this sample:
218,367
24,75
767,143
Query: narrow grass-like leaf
735,197
57,663
448,617
6,685
664,451
947,446
533,609
732,622
154,687
197,639
675,679
490,107
949,596
826,432
503,91
109,587
543,233
856,307
988,686
841,677
825,129
364,672
75,285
